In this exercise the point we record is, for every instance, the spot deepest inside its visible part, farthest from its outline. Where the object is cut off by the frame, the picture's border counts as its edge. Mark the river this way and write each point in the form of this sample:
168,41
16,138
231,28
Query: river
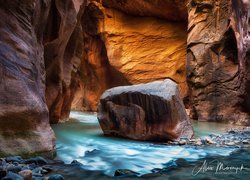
81,139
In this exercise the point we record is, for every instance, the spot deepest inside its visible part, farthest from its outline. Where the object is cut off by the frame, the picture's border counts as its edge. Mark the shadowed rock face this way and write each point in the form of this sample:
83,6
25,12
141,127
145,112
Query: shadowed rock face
152,111
24,123
173,10
63,51
216,63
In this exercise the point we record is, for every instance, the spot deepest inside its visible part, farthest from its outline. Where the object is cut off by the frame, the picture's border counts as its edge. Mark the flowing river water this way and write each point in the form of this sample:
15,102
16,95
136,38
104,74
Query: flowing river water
81,139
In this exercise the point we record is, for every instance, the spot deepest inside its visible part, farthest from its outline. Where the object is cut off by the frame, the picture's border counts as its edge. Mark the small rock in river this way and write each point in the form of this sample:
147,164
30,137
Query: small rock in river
14,169
182,142
48,168
37,170
12,176
230,143
76,162
198,143
38,160
2,173
14,159
209,140
37,175
125,172
56,177
26,174
245,141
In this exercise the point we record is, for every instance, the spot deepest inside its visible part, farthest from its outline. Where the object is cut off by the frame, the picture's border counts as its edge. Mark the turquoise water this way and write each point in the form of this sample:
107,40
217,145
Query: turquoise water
81,139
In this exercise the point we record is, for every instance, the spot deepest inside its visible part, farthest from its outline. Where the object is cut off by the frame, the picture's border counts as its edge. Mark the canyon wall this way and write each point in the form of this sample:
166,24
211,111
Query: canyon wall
217,65
24,122
63,51
131,42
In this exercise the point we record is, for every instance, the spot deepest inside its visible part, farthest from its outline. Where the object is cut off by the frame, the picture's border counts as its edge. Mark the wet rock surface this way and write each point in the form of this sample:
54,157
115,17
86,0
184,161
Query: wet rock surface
239,138
152,111
25,169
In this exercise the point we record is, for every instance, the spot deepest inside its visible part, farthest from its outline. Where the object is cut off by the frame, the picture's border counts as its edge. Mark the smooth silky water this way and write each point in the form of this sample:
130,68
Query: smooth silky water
81,139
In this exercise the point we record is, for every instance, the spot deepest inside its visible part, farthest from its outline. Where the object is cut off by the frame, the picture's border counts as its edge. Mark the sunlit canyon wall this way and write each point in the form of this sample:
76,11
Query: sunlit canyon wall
131,42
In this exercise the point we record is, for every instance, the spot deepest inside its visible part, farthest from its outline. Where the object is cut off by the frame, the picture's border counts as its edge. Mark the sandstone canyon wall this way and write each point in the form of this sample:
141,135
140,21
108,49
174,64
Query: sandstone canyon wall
131,42
24,122
217,65
63,51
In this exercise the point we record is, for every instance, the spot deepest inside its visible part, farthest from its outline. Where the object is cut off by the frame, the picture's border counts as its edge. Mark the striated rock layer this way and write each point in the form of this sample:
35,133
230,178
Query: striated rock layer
24,122
152,111
217,65
63,51
131,42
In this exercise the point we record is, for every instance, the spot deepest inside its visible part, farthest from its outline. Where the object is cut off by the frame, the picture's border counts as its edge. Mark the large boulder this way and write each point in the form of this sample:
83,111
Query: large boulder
152,111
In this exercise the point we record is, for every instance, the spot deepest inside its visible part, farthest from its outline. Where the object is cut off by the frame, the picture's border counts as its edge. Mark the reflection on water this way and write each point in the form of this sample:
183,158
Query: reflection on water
206,128
82,139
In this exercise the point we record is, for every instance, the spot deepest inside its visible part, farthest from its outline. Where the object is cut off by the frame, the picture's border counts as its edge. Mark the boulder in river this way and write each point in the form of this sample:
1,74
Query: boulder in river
152,111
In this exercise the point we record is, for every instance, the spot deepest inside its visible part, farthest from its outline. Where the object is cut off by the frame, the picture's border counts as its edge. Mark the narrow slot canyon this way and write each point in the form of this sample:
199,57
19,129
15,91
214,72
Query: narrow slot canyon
84,83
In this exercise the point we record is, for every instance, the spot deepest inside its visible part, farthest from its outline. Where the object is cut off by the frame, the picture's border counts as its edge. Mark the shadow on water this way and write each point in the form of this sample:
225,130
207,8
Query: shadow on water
81,139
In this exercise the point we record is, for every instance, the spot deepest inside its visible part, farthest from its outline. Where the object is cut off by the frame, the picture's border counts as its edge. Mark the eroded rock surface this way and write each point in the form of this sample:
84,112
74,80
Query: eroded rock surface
173,10
152,111
216,62
63,51
131,42
24,122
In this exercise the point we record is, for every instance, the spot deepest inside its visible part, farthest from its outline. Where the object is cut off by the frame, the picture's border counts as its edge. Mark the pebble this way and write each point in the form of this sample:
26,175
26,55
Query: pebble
2,173
198,143
12,176
245,141
37,170
182,142
56,177
14,169
48,168
17,159
230,143
210,141
76,162
125,173
37,174
37,160
26,174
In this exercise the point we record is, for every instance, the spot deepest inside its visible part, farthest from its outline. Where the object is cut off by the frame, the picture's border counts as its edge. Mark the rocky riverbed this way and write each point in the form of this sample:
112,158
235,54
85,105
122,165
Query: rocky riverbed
39,168
239,138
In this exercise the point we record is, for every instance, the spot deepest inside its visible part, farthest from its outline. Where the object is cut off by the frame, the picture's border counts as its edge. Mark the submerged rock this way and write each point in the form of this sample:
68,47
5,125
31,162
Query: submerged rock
125,173
56,177
152,111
